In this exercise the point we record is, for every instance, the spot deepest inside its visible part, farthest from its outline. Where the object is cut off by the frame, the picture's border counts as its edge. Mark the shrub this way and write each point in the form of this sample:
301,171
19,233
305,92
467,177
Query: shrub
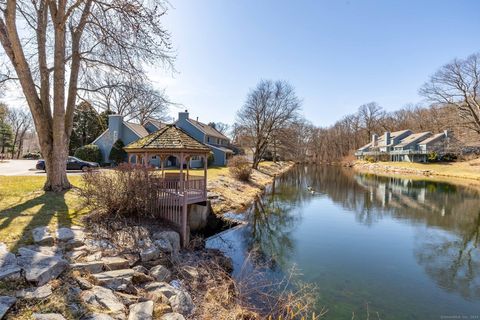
90,153
126,190
370,159
32,155
240,168
210,159
117,154
432,156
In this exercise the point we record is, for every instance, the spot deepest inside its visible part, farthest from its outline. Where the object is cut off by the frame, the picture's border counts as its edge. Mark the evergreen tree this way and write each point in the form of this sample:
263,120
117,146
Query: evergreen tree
5,137
117,154
87,126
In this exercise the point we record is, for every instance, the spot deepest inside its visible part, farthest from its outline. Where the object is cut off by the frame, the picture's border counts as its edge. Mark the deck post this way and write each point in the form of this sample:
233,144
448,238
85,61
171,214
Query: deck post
205,170
184,231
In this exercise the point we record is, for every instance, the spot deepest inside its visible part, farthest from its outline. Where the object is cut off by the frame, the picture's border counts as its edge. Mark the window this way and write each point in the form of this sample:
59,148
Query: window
195,158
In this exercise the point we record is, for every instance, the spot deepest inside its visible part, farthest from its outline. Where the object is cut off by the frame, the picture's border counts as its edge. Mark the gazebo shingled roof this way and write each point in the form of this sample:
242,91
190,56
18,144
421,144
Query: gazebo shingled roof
169,138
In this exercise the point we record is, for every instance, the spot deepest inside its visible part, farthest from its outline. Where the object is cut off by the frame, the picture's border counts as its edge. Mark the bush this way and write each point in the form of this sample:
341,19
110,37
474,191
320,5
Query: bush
126,190
90,153
210,159
240,168
432,156
117,154
32,155
370,159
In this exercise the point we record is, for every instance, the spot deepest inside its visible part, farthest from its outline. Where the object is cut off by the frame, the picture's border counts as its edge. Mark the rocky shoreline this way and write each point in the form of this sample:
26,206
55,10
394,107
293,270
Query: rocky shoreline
376,168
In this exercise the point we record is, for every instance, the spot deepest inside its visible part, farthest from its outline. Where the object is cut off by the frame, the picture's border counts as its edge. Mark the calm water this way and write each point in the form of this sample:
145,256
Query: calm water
408,249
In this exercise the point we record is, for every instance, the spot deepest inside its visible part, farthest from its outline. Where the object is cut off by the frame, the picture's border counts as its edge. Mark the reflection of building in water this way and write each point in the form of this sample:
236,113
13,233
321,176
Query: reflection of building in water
401,193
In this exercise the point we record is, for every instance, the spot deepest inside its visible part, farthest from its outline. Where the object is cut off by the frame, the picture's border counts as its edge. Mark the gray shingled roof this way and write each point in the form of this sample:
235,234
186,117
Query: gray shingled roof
205,128
169,137
413,138
137,128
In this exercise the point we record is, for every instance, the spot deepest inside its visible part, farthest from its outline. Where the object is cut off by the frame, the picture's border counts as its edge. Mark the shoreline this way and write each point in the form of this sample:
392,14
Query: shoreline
227,194
430,173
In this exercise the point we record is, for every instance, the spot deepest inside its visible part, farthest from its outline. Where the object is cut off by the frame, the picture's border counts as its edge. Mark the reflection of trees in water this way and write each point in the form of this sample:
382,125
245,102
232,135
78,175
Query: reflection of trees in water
454,263
452,260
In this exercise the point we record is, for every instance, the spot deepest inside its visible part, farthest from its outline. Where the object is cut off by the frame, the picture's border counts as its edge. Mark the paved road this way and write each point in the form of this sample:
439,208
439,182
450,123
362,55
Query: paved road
23,168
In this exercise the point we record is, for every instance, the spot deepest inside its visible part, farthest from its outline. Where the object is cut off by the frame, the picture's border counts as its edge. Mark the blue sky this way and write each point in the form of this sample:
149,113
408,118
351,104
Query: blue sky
337,54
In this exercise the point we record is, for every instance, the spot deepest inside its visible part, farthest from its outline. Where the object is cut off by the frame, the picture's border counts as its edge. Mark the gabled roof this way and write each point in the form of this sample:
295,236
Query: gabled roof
208,130
381,139
156,123
169,137
413,138
138,129
433,138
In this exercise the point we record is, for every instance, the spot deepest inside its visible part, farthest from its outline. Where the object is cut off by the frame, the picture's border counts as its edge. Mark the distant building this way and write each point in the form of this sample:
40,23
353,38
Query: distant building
404,146
129,132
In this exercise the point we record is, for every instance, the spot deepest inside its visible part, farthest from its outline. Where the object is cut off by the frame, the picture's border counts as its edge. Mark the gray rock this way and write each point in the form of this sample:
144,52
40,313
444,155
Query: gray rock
160,273
172,316
164,245
98,316
42,236
100,297
115,279
48,316
190,273
97,256
35,293
9,268
182,303
141,311
6,303
92,267
140,269
40,268
83,283
132,258
115,263
171,236
149,254
64,234
162,287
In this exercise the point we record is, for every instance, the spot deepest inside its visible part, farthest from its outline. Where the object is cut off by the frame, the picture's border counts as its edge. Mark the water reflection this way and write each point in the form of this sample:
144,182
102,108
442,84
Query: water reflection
435,227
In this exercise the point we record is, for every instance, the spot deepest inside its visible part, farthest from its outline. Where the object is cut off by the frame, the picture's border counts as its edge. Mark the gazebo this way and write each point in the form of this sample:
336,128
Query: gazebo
174,191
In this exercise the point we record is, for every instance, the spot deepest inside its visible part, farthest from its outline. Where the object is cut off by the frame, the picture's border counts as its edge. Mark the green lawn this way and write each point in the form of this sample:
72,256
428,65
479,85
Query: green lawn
23,206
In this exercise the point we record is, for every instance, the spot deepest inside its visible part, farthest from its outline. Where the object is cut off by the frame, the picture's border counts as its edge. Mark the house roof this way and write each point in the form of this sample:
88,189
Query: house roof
381,139
226,150
433,138
208,130
156,123
169,137
138,129
413,138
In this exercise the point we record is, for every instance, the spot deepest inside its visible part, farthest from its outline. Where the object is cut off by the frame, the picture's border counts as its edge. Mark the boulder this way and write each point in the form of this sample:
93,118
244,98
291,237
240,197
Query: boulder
83,283
164,245
35,293
64,234
40,268
6,303
171,236
115,279
140,269
91,267
162,287
48,316
139,278
182,303
97,256
115,263
150,253
42,236
9,268
160,273
141,311
99,297
172,316
132,258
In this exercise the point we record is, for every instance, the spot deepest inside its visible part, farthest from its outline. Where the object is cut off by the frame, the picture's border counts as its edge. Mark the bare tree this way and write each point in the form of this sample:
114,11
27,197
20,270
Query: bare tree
64,41
21,122
371,117
270,107
458,84
223,128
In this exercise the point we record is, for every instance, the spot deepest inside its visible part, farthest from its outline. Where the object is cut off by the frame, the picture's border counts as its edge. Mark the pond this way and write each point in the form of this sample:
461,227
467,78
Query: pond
404,249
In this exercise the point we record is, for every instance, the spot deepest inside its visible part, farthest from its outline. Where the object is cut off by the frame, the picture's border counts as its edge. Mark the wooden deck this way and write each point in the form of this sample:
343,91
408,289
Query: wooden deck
171,197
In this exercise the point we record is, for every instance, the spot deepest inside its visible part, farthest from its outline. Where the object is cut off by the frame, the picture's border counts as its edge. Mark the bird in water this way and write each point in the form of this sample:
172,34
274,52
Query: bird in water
311,190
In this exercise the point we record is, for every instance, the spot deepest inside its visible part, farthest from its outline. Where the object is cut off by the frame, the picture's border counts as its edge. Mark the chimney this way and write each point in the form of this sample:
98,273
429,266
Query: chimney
183,115
374,140
197,119
387,138
115,126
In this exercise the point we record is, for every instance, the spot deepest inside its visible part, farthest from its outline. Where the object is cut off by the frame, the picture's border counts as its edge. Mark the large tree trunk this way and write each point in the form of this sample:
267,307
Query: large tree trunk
55,164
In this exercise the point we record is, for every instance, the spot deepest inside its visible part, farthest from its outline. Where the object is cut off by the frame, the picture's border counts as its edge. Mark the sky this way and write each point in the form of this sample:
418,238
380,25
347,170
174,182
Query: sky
337,54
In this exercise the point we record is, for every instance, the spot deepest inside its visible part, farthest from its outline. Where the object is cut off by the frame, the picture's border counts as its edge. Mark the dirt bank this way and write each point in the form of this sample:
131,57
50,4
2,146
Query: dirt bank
228,194
464,173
